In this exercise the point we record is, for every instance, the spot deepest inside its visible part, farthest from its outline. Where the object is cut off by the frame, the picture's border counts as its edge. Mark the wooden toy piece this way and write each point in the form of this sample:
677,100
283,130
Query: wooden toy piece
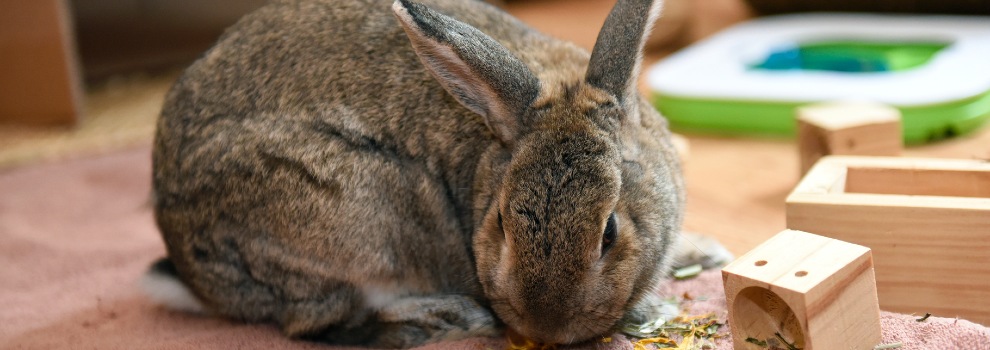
40,82
811,291
926,220
847,128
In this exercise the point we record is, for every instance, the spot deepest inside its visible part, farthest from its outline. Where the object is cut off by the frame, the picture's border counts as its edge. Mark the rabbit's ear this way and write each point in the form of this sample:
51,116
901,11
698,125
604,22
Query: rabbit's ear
618,53
478,71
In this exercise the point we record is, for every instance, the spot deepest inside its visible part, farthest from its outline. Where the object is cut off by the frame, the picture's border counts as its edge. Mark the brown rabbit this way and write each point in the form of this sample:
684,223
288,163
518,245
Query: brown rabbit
386,175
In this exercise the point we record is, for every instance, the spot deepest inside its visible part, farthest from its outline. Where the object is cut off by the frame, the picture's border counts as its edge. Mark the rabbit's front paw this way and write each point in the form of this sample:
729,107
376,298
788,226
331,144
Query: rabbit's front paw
706,251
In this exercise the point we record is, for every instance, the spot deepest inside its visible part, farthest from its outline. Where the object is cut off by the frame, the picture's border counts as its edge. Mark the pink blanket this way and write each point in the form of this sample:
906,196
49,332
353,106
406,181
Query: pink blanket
75,236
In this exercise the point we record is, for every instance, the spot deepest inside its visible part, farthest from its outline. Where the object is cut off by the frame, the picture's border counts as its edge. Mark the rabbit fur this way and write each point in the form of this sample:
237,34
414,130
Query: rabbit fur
390,174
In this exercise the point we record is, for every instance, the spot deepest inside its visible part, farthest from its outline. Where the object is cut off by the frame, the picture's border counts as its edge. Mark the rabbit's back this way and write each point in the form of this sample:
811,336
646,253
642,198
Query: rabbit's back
345,70
315,55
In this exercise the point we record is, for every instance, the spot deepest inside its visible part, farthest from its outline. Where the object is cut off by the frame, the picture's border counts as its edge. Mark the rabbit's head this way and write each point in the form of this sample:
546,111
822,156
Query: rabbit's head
585,197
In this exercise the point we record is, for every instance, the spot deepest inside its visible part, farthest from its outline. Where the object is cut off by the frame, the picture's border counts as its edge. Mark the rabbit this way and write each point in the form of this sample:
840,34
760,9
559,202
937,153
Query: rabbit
389,174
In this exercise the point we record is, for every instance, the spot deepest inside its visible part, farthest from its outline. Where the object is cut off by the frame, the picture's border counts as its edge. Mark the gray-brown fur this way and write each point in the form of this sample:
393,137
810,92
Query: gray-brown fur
315,171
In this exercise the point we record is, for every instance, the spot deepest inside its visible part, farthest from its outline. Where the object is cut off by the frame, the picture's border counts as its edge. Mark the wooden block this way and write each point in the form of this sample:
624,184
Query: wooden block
926,220
39,76
816,292
848,128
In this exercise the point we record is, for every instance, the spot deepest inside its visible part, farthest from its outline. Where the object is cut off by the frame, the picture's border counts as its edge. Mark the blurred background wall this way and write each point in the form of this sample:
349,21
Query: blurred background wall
121,35
116,36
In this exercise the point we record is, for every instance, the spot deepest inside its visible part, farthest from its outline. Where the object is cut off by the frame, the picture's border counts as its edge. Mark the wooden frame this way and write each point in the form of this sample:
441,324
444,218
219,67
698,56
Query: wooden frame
808,290
847,128
926,220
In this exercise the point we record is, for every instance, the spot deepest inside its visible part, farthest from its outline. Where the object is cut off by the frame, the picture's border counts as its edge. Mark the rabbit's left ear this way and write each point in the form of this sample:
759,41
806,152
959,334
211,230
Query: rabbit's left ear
618,53
478,71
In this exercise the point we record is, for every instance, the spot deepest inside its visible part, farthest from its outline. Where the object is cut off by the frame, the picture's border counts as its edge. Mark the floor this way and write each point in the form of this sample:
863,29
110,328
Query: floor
736,186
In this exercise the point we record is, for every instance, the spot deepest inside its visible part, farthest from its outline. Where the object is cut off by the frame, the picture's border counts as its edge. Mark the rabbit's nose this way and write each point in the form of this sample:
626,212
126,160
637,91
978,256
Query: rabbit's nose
548,323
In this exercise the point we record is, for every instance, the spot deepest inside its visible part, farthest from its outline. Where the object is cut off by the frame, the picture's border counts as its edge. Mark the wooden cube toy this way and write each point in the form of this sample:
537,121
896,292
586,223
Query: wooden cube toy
814,292
847,128
926,220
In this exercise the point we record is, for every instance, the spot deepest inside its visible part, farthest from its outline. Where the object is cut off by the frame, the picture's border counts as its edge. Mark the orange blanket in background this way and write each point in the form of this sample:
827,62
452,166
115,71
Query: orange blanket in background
76,236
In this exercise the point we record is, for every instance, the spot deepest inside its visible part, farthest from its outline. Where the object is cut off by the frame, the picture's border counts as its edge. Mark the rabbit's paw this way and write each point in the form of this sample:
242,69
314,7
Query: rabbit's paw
413,321
706,251
650,309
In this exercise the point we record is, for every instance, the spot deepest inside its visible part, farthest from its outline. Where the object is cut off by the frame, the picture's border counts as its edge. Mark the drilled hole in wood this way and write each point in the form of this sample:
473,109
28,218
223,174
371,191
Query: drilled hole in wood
762,314
801,273
761,263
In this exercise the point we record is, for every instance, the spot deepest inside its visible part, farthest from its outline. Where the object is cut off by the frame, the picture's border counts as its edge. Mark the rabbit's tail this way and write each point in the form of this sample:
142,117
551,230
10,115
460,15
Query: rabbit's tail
162,285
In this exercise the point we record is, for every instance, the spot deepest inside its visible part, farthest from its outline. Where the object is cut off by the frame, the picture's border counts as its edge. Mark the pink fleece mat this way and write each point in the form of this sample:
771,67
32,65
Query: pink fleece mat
76,236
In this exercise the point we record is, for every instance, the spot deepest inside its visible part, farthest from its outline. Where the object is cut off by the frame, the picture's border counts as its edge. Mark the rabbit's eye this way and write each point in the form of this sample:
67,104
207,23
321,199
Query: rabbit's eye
608,237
